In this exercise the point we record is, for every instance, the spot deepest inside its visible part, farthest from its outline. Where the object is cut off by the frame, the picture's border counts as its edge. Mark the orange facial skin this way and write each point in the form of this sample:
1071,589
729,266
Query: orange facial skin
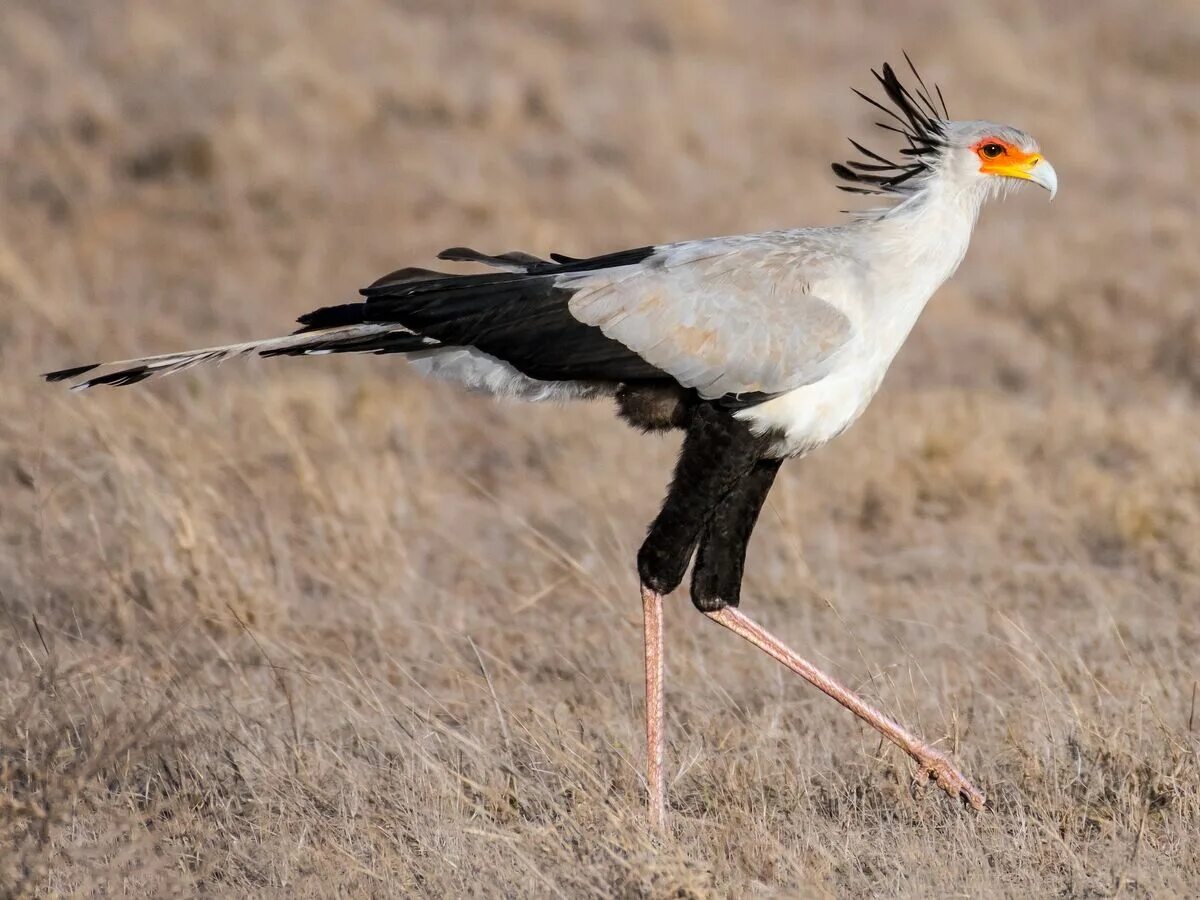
1012,162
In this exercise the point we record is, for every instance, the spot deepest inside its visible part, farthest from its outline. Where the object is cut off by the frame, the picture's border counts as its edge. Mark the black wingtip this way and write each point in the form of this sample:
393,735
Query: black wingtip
64,374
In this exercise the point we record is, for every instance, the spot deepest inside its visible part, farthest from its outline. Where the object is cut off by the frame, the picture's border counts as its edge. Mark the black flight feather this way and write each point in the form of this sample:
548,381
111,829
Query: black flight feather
331,317
520,317
514,259
409,274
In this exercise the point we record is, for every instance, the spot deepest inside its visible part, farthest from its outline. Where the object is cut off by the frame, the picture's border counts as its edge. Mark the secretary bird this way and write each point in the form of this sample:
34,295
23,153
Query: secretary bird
759,347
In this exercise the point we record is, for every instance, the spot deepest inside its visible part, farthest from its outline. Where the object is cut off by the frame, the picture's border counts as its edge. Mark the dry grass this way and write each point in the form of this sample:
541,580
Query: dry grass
318,628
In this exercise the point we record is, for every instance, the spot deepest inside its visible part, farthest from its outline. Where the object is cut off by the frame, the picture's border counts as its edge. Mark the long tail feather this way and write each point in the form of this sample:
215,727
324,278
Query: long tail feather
372,338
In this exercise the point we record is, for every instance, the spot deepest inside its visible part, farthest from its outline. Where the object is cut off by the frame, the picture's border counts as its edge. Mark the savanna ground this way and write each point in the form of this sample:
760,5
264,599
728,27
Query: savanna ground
316,627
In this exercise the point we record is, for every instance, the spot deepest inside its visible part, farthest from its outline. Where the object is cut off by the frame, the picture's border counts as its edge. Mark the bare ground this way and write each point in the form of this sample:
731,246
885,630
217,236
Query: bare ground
316,627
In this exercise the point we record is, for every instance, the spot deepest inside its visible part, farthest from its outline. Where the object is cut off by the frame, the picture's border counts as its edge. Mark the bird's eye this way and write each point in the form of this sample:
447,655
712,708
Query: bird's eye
991,151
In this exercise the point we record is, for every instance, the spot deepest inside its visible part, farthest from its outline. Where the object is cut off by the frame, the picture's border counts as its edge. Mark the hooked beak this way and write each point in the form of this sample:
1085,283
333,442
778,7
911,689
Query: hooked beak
1041,172
1033,167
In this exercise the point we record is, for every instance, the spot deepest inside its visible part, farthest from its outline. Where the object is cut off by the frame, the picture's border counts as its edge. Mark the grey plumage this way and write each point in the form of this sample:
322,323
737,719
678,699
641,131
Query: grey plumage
791,331
726,316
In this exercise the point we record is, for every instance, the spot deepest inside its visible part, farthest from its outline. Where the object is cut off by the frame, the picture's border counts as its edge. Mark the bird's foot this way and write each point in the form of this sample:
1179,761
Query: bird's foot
935,765
932,763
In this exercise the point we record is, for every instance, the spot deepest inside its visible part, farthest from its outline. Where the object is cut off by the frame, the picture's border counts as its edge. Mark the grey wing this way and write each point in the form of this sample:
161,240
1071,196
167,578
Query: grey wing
721,317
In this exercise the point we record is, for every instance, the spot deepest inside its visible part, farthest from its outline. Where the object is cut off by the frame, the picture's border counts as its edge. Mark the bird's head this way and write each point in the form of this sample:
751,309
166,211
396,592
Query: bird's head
993,157
981,157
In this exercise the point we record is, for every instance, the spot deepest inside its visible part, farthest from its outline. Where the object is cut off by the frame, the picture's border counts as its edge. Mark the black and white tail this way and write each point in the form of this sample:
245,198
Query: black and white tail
362,338
519,317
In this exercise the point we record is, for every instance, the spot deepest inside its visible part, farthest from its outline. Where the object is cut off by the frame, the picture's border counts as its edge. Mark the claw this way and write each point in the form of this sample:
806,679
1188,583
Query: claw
920,781
937,766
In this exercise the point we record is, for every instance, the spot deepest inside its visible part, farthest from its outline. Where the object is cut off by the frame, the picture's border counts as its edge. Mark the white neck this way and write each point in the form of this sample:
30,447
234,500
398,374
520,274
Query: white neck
911,250
928,230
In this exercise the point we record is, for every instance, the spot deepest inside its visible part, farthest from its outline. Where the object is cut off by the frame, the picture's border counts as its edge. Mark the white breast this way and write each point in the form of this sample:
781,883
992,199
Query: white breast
810,416
905,257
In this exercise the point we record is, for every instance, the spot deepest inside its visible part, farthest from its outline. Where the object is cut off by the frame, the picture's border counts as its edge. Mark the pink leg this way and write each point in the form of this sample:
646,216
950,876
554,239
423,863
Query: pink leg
933,763
653,621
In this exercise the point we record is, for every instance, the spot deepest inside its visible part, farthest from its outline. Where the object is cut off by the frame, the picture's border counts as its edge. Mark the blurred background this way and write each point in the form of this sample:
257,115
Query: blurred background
300,627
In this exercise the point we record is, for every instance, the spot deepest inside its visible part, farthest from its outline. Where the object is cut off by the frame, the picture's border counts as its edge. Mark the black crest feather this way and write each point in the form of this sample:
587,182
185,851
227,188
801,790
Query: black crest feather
916,118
